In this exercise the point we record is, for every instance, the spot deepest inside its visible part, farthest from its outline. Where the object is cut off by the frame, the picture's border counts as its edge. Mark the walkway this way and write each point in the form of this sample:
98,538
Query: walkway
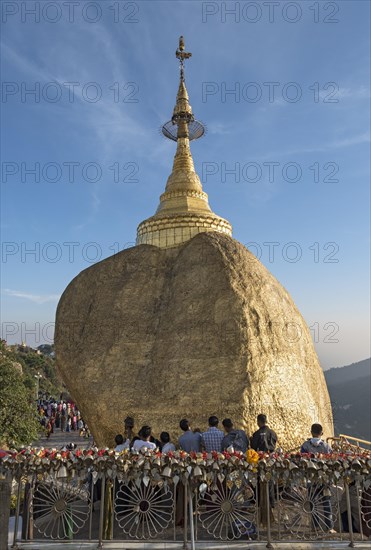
59,439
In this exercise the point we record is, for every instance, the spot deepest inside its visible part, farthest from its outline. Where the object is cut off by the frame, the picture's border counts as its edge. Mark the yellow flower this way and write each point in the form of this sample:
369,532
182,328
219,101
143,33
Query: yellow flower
252,456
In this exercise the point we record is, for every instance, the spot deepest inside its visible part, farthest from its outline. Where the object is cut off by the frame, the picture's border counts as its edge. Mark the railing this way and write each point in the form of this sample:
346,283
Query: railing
106,496
359,443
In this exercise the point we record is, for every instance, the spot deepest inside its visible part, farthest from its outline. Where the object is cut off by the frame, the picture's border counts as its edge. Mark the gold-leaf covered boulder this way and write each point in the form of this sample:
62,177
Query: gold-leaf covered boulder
200,329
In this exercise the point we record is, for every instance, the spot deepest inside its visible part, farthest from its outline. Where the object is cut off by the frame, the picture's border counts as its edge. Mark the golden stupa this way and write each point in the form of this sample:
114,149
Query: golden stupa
184,209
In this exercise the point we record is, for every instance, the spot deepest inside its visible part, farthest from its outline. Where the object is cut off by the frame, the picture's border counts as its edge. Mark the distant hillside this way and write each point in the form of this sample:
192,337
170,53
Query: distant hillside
350,394
350,372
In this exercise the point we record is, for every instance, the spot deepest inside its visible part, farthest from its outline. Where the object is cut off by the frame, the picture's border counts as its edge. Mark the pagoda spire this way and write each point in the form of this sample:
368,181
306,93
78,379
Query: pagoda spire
184,210
182,127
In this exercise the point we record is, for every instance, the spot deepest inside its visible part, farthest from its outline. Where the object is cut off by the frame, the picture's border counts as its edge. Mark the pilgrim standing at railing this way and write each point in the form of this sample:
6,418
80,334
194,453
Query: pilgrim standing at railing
144,441
234,438
317,491
129,432
212,438
190,440
265,440
167,446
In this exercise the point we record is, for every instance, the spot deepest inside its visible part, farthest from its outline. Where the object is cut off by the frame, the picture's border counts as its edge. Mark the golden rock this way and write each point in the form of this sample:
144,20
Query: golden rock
200,329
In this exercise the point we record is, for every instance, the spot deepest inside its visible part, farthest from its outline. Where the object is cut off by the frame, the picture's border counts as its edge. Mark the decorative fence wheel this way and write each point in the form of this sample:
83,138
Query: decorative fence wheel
308,512
143,511
60,510
366,506
228,513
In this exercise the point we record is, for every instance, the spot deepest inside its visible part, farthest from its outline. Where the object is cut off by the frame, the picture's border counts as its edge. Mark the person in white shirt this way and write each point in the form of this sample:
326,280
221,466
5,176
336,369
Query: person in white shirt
121,445
144,441
166,445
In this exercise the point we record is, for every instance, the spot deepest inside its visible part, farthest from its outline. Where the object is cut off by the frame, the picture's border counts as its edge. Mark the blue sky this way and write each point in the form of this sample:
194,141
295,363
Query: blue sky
106,76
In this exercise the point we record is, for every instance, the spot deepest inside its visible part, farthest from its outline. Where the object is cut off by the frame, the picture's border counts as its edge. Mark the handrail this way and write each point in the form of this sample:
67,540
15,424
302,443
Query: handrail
239,496
355,439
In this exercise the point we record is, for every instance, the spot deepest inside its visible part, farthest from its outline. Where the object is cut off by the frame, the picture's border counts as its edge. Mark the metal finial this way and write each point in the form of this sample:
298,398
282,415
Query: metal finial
182,122
180,53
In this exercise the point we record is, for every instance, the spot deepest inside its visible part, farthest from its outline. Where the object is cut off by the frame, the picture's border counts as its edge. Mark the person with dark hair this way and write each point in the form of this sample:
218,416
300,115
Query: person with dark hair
49,428
63,420
315,444
318,491
167,446
57,419
234,438
145,435
129,429
121,444
264,439
212,438
189,441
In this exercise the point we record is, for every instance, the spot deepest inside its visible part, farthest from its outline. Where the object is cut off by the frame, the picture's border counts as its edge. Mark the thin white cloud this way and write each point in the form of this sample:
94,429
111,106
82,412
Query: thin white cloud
218,128
24,65
362,92
35,298
117,131
114,127
352,140
94,209
335,144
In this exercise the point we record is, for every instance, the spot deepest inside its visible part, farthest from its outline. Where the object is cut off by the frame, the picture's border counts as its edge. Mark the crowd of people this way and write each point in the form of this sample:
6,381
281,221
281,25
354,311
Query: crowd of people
213,439
263,439
65,416
61,415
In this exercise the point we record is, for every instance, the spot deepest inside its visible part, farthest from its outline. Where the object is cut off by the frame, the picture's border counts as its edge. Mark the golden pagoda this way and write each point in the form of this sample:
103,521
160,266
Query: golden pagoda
184,209
155,331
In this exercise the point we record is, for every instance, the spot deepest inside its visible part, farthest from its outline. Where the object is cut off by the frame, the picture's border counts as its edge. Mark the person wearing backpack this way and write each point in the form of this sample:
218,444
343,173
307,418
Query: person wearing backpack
264,439
234,438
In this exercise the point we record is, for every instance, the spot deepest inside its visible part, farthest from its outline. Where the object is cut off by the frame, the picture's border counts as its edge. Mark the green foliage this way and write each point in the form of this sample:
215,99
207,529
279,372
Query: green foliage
46,349
13,502
32,364
18,367
18,421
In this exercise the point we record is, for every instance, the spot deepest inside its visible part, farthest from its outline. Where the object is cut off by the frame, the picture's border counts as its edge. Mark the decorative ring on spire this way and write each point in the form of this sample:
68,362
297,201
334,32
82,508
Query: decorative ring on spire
182,114
195,128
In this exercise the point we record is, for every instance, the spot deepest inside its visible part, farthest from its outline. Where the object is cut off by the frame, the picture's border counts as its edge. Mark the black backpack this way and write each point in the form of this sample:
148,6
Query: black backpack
237,441
265,441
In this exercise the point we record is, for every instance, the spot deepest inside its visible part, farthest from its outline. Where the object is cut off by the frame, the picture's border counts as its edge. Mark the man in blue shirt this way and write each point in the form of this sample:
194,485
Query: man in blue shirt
189,441
212,438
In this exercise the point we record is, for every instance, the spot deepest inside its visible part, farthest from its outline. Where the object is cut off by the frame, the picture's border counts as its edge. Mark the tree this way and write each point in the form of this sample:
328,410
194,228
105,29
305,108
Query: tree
45,365
18,420
47,349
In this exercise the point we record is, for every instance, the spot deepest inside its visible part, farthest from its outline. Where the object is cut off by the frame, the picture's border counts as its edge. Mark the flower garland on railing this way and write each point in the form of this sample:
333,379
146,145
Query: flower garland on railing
158,468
